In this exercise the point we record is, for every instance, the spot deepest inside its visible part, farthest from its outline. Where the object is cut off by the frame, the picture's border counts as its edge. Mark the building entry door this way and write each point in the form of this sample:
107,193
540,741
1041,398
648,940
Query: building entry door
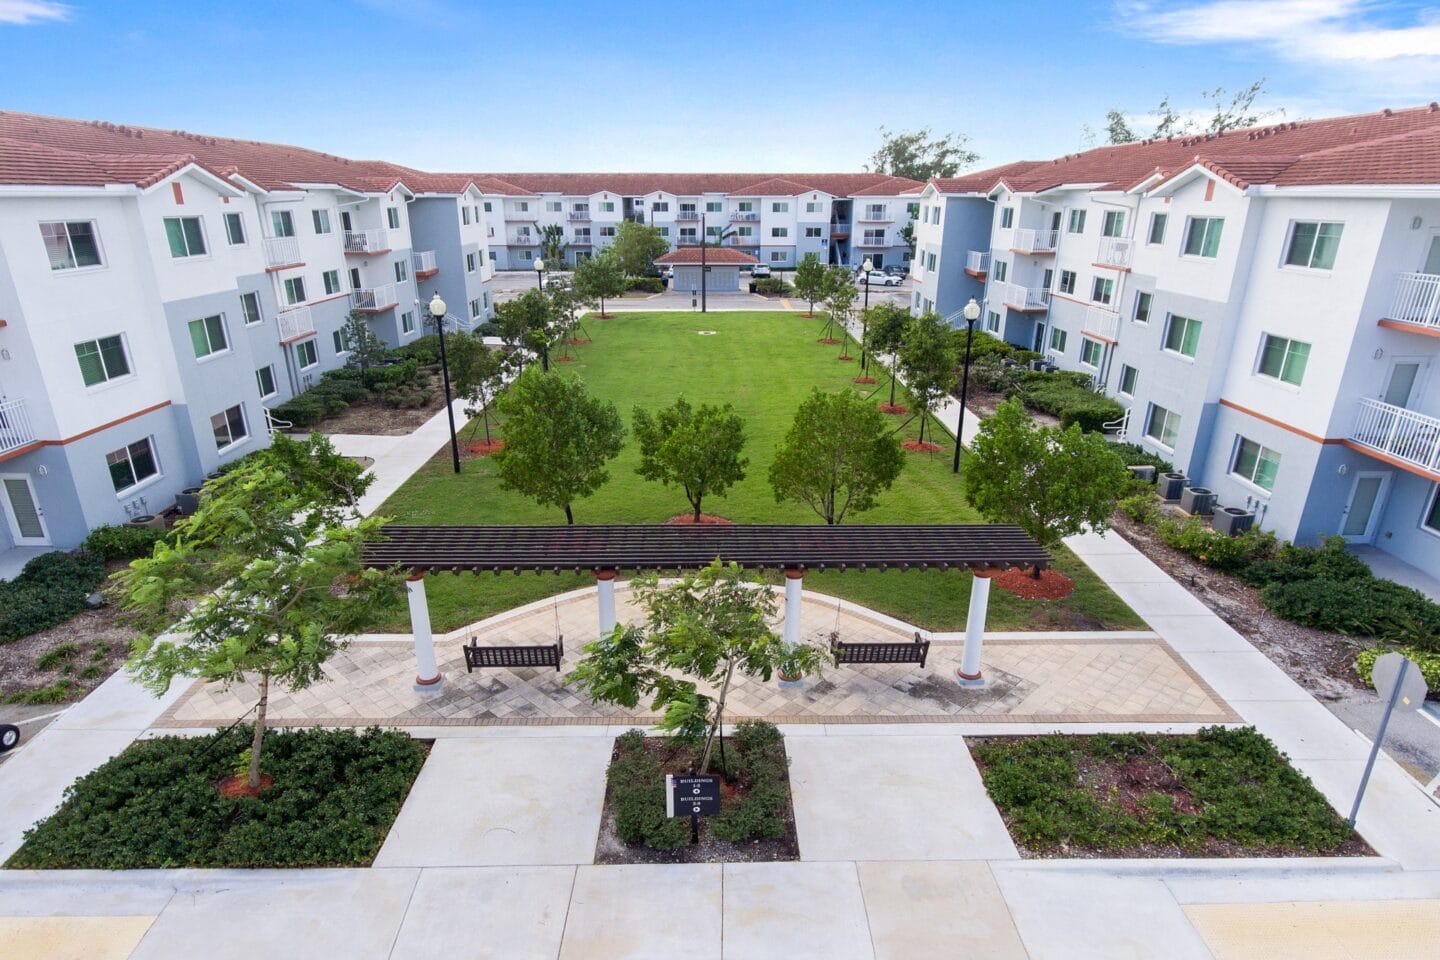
22,511
1362,510
1407,376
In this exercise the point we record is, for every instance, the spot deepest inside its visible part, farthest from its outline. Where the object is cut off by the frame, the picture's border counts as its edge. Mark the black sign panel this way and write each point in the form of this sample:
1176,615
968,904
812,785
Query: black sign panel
696,795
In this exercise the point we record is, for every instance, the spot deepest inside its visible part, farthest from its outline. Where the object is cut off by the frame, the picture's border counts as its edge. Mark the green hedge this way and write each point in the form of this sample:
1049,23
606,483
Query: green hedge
1428,661
1067,395
1136,455
50,589
113,543
773,285
398,385
645,284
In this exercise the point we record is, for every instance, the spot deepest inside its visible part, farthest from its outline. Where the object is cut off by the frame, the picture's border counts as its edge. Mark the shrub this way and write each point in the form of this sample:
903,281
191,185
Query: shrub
1368,607
1136,455
1091,414
1214,549
426,350
1291,564
123,542
1067,395
645,284
1141,507
488,329
773,285
1427,660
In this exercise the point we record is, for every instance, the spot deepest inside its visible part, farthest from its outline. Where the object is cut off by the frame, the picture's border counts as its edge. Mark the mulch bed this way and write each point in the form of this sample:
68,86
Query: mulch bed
687,519
828,341
484,448
563,359
372,416
864,380
844,358
1051,584
102,642
894,409
576,341
920,446
238,785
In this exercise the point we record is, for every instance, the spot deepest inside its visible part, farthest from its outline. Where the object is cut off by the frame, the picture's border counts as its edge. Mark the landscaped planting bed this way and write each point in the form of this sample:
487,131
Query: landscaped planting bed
158,804
1219,793
756,822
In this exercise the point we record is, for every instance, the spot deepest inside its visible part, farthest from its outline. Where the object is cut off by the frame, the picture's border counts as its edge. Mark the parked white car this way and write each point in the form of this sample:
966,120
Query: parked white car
760,270
879,278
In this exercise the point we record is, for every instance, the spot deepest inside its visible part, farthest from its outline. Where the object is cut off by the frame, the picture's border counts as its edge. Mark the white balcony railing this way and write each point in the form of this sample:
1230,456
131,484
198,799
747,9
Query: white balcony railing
16,428
977,261
424,262
366,241
374,299
745,216
688,215
1417,300
521,240
878,215
582,240
281,251
1115,252
1399,433
1022,298
295,323
1036,241
739,241
872,240
579,215
1102,323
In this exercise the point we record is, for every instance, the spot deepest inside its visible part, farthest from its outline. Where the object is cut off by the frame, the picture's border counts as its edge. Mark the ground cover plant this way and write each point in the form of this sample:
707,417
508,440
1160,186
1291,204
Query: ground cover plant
49,589
1219,793
335,796
764,364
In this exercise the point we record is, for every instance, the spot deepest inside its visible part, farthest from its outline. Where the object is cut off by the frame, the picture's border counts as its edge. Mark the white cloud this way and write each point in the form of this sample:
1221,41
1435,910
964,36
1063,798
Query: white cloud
32,11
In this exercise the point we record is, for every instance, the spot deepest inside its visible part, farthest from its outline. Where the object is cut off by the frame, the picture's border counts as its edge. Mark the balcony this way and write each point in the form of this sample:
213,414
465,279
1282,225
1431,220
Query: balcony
16,429
977,263
295,324
424,263
875,216
366,243
520,216
1114,252
1035,241
739,241
1101,323
282,252
1022,299
741,216
521,240
872,240
578,215
374,299
687,241
581,240
688,215
1415,304
1399,435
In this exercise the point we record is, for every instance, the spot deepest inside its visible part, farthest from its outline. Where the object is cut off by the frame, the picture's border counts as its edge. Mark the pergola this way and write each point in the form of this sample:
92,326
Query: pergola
605,550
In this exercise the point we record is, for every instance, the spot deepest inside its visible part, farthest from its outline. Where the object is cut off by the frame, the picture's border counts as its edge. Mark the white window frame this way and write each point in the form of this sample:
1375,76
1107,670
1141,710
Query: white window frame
402,271
1205,236
313,351
251,295
1085,344
107,380
129,457
1062,335
1310,267
282,221
274,384
70,246
325,282
1162,219
407,321
290,300
1135,379
1170,319
1260,452
321,218
780,206
1430,507
233,217
1266,337
188,256
1150,418
1148,298
224,331
234,441
392,217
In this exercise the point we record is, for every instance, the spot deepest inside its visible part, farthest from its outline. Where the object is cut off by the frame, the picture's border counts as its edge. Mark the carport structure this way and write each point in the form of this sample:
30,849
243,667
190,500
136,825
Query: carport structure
607,549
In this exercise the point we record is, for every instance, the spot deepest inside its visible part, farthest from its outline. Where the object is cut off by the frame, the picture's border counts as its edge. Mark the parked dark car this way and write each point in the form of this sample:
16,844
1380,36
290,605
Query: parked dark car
898,270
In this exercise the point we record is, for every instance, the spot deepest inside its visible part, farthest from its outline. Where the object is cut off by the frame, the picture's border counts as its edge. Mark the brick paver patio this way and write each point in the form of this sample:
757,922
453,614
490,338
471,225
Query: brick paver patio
1032,680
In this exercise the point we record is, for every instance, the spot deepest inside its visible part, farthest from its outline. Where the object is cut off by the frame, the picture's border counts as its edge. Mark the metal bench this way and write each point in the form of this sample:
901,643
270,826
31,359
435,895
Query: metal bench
914,652
544,655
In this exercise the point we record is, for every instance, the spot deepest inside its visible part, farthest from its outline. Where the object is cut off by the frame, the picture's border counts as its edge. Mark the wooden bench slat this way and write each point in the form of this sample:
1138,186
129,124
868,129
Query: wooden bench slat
881,652
542,655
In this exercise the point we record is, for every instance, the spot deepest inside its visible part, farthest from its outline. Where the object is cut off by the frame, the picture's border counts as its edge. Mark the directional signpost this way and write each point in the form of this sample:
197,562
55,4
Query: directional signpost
1399,682
694,796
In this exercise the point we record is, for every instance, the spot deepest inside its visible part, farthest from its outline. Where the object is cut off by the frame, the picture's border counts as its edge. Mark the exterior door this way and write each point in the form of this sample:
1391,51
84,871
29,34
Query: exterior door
1055,221
1432,256
1402,388
1038,345
345,221
1362,510
27,521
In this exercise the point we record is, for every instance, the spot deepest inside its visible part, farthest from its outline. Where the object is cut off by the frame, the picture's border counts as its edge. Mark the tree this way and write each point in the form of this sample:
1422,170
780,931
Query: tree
478,380
838,456
1232,113
929,359
907,234
915,155
840,297
528,323
1239,112
708,626
637,245
366,349
553,245
558,439
266,578
811,280
1051,483
696,448
600,277
885,326
1117,129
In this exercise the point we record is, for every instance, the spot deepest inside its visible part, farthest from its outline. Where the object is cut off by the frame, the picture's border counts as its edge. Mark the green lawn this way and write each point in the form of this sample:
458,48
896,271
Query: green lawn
764,363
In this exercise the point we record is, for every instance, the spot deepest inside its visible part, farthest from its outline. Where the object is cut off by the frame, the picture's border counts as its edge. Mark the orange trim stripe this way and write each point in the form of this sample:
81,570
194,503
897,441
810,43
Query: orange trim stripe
1385,322
81,436
1279,423
1387,458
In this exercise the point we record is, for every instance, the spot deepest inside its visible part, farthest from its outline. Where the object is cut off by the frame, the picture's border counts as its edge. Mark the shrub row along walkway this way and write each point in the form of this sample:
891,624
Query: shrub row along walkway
1132,678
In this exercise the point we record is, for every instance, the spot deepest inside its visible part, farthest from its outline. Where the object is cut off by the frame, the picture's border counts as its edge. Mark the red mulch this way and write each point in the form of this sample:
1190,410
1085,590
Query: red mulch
576,341
604,316
828,341
484,448
1052,585
563,359
920,446
685,519
864,380
844,358
894,408
238,785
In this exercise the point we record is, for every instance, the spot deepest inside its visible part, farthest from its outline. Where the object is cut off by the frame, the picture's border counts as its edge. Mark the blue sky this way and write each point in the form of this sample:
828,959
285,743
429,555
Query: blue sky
629,85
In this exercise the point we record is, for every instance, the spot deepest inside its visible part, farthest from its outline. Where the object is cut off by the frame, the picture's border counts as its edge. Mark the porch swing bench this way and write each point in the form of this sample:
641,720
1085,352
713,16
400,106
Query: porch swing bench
541,655
914,652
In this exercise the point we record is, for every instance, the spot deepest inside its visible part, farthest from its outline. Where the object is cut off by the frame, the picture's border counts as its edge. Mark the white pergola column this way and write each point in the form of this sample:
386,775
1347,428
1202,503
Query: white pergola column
605,592
794,578
427,673
969,671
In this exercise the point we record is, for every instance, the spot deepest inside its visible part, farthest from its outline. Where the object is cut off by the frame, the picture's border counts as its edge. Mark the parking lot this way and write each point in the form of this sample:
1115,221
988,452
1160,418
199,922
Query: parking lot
509,284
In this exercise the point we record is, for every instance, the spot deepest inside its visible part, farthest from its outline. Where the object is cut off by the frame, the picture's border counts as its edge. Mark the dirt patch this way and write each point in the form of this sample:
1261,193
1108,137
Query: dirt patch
894,409
238,785
372,416
920,446
864,380
67,661
1050,585
563,359
576,341
687,519
1128,783
828,341
983,402
844,358
484,448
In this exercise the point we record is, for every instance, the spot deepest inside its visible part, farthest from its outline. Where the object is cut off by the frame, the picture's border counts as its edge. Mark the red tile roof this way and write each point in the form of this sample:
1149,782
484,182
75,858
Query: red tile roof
714,256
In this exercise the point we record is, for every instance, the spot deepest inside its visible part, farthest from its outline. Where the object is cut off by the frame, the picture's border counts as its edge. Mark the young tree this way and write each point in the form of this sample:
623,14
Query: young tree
696,448
600,278
558,439
478,380
366,349
553,246
838,456
709,627
1117,129
637,245
811,281
265,578
885,327
916,155
840,294
528,323
929,360
1051,483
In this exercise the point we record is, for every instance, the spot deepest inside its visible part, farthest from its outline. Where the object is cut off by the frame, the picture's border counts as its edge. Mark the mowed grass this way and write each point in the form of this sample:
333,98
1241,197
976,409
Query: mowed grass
765,364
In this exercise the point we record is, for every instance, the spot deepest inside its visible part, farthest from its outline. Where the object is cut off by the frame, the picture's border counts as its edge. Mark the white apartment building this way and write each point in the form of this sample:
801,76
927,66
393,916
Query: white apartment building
1265,303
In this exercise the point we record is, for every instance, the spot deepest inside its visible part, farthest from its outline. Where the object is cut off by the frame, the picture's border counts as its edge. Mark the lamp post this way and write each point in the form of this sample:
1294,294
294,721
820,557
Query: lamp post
539,274
540,285
437,313
971,314
867,266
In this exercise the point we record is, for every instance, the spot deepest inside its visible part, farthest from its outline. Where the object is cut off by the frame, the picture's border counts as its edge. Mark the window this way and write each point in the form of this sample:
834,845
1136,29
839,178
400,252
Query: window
713,232
554,206
131,464
332,281
1067,281
779,231
1431,520
101,360
392,217
281,223
992,321
1114,224
185,236
1090,352
713,206
1157,228
777,256
1162,426
1058,340
812,232
814,206
71,245
1142,306
687,233
1129,376
607,231
780,206
1001,269
930,261
1202,236
1182,335
305,354
1102,290
235,229
1077,221
485,299
207,336
229,427
341,339
487,207
402,271
295,290
1007,217
664,231
407,321
1283,359
470,261
660,206
250,308
321,220
265,380
465,216
1313,245
607,206
1255,463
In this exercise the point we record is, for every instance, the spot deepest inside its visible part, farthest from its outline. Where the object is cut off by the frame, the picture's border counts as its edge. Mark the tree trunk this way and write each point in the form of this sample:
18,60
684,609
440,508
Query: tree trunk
487,425
569,517
696,505
719,713
892,388
258,739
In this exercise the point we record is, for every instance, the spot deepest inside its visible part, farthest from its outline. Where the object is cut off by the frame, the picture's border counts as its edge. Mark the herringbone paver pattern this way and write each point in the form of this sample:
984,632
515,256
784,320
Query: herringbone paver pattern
1033,680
